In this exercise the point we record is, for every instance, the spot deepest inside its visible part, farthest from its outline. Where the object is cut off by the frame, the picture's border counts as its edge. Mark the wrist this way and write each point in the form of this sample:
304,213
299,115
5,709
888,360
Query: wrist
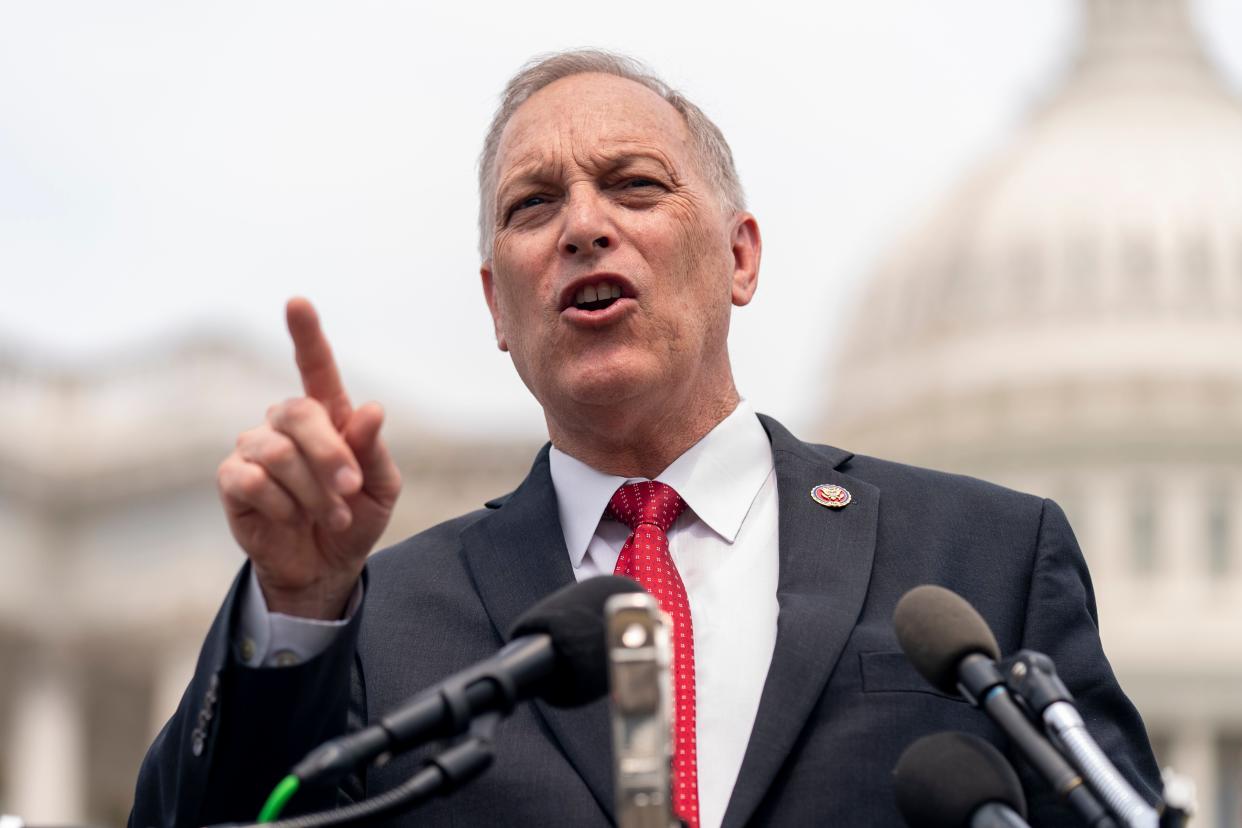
324,600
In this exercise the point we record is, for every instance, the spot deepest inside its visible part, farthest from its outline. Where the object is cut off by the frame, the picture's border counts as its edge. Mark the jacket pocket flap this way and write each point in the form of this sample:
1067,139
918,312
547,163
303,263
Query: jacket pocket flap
893,673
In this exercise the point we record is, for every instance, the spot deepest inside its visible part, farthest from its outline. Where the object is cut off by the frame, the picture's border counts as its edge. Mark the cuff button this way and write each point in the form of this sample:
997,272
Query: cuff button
285,658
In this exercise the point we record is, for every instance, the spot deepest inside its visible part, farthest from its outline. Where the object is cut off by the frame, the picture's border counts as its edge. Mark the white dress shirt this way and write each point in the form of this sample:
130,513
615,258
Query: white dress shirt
725,549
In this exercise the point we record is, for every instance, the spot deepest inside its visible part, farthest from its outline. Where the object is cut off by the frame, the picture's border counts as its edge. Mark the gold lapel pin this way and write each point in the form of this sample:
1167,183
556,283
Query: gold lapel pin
831,495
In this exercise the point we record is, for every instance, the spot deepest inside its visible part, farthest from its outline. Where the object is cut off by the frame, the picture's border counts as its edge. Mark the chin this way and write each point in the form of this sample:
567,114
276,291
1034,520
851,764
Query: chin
605,384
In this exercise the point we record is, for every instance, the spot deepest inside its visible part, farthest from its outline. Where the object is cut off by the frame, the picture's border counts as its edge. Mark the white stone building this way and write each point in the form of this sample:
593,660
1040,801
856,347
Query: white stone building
1069,322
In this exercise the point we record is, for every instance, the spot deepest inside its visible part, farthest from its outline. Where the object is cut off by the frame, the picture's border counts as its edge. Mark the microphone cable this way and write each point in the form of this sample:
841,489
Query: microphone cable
444,773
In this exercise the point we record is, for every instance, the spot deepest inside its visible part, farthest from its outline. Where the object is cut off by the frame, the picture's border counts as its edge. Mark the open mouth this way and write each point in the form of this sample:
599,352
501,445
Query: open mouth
596,296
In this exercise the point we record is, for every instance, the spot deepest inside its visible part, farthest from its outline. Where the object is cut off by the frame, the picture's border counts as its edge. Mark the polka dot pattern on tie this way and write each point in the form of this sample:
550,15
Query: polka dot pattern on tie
649,509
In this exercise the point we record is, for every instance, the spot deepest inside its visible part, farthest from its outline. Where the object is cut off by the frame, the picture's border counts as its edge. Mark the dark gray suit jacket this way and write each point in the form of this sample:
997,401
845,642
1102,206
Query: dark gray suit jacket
839,704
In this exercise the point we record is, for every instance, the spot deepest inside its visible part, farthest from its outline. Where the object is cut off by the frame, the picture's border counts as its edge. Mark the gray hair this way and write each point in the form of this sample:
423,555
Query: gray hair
714,155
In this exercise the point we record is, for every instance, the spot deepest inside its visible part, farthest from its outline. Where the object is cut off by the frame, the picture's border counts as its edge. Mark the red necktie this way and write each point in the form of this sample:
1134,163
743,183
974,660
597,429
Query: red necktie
649,509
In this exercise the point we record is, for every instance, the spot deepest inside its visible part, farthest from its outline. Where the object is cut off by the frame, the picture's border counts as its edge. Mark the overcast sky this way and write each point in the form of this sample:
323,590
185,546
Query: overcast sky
168,167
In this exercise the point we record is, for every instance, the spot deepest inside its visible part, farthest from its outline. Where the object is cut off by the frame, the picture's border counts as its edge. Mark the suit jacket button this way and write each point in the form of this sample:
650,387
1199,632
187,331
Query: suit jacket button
196,746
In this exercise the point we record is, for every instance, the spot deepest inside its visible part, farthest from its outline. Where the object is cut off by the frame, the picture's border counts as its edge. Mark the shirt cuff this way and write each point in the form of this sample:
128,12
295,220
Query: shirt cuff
273,639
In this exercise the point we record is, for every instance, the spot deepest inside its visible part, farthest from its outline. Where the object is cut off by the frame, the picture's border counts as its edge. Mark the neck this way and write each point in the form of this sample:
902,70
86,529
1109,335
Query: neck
633,440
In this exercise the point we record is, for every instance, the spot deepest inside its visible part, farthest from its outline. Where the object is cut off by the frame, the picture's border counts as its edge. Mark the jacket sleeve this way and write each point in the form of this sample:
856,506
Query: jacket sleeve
1061,622
238,730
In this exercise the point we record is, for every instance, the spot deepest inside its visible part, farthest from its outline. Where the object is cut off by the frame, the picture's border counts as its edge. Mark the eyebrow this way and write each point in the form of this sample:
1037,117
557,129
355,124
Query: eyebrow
537,169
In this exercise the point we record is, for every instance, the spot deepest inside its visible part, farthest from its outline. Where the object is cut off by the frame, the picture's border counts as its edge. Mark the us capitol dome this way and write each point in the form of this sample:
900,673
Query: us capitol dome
1069,322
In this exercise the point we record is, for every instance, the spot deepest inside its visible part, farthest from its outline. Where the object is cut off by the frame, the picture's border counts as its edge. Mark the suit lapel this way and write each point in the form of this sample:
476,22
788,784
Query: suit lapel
517,556
825,568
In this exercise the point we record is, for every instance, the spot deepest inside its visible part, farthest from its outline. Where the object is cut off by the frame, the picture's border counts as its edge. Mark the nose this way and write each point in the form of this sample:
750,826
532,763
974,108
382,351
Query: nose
587,226
600,242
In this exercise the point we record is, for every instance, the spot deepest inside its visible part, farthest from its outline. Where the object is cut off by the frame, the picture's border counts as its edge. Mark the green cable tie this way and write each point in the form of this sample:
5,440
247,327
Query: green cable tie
279,798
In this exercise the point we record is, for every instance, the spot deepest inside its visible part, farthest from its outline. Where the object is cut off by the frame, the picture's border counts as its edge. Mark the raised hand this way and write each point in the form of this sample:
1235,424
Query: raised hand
309,491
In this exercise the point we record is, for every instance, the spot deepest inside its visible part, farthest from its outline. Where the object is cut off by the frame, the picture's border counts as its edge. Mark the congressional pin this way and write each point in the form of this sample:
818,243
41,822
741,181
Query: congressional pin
831,495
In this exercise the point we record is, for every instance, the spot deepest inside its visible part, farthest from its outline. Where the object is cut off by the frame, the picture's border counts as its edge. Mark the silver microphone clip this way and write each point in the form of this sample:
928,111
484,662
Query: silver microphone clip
640,698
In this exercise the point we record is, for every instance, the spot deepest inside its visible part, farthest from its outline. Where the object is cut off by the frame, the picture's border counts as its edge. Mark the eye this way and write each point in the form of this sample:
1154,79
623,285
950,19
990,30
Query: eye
639,191
529,201
526,203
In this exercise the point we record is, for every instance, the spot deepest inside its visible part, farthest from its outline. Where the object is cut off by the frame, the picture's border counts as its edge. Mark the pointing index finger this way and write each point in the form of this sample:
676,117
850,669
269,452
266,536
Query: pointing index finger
320,378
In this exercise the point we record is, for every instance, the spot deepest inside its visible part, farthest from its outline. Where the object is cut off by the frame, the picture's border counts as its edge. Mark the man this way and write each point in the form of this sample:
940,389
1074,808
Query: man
614,245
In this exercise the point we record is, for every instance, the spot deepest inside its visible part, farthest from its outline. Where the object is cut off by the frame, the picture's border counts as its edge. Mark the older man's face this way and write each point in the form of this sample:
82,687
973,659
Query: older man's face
614,266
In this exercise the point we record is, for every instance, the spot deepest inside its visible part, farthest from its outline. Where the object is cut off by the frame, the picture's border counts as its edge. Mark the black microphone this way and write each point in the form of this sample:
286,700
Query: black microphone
556,652
952,780
951,645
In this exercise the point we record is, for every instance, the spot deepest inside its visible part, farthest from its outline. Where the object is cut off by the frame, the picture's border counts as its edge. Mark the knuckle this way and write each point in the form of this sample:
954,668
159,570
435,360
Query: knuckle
246,438
277,453
224,485
301,408
227,471
251,480
295,414
333,453
326,450
280,413
234,479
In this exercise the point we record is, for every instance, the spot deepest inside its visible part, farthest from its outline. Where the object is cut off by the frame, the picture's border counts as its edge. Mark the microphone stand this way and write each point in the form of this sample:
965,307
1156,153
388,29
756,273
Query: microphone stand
1033,677
980,676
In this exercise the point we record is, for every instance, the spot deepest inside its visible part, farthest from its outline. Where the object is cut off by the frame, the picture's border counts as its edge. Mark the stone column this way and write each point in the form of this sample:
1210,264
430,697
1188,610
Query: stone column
47,782
1180,542
1193,753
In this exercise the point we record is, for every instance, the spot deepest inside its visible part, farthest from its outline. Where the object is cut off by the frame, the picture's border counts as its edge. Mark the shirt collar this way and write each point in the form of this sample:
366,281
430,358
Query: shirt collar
718,477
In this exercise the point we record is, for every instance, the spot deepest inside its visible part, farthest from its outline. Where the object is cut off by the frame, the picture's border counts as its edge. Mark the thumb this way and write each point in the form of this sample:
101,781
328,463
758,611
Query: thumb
379,473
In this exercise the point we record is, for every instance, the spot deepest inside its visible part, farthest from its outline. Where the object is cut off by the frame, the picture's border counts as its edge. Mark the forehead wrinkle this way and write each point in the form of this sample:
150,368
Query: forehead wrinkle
539,163
582,118
548,124
527,168
633,149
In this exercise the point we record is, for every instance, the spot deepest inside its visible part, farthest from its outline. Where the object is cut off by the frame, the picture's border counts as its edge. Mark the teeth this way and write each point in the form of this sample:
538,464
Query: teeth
594,293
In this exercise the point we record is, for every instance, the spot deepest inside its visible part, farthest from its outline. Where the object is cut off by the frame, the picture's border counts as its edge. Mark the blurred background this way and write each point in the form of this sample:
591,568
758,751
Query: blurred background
1002,238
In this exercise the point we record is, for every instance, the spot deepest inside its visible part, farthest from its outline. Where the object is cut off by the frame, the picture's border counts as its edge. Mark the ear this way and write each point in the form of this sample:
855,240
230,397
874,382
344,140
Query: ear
489,293
747,247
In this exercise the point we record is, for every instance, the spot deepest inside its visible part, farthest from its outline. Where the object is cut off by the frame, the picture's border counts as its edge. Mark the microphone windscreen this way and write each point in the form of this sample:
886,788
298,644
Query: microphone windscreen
942,779
937,628
573,618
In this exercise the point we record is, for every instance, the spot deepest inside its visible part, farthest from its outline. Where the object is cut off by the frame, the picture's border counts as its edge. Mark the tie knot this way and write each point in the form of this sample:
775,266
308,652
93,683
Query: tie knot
647,502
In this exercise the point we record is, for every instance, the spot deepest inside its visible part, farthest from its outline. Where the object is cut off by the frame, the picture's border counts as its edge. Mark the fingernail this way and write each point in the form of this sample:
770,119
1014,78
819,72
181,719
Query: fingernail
340,519
347,480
